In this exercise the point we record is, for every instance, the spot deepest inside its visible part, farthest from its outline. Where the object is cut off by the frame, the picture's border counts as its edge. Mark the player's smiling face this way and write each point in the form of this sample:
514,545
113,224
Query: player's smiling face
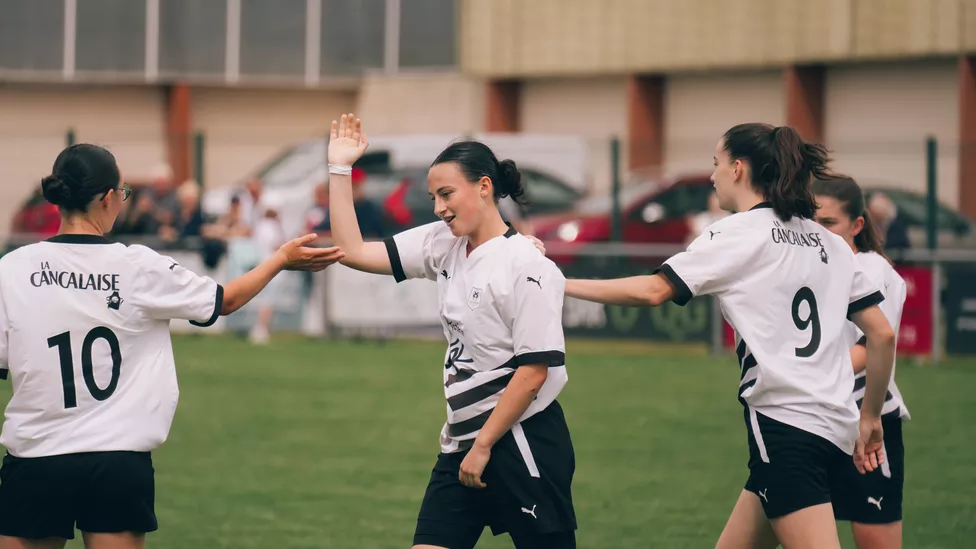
458,202
831,214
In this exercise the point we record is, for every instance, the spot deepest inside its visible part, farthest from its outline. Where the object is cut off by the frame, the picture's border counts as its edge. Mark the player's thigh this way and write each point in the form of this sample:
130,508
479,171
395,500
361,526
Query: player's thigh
552,540
36,499
7,542
119,497
450,516
125,540
747,527
808,528
877,536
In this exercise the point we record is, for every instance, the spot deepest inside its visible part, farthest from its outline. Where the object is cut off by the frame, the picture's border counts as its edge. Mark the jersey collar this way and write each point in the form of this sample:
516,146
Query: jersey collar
761,205
510,232
78,239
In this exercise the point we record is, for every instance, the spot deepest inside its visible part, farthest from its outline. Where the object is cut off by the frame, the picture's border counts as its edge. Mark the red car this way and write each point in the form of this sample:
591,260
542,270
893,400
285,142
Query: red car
655,212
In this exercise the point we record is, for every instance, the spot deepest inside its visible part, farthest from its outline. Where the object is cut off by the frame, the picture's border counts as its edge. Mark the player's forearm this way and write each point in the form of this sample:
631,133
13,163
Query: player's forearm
518,395
636,290
342,212
880,359
243,288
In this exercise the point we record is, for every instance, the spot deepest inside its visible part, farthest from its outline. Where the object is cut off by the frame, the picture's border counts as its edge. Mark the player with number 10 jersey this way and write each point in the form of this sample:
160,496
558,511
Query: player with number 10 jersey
85,341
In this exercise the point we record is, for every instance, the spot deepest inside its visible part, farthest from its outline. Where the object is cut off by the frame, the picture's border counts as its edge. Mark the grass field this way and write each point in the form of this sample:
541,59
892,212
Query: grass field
329,444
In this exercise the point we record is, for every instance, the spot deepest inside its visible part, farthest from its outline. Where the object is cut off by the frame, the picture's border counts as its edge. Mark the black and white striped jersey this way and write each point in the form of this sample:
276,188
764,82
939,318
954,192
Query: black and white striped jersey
788,289
501,308
894,289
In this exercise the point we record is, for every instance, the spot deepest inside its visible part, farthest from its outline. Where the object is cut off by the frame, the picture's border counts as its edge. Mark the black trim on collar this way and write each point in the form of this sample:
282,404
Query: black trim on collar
78,239
510,232
761,205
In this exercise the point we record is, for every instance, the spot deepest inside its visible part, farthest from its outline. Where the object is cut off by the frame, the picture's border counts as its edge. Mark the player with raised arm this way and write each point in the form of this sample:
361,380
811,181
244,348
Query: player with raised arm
506,457
872,502
787,286
85,340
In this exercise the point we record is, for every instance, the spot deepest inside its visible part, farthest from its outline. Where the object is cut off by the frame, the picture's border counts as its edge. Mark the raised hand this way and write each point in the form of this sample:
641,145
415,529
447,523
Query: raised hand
296,256
347,142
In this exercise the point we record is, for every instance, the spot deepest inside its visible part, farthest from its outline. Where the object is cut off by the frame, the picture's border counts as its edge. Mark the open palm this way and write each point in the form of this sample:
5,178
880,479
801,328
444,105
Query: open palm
347,142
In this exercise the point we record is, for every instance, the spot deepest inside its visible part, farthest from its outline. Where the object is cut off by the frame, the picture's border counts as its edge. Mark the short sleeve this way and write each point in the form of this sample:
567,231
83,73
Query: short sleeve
712,261
537,329
864,292
166,290
419,252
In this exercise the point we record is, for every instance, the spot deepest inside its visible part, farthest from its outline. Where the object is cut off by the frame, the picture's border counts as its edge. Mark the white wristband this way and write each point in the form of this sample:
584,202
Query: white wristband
340,169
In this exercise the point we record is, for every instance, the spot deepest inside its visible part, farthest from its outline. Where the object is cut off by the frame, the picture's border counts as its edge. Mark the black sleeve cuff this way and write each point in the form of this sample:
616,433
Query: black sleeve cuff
218,305
3,373
395,263
864,303
682,293
863,342
551,359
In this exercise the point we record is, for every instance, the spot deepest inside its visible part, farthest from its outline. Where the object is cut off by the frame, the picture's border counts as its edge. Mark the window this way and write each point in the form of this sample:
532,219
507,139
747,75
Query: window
111,36
273,38
192,36
428,33
32,34
352,35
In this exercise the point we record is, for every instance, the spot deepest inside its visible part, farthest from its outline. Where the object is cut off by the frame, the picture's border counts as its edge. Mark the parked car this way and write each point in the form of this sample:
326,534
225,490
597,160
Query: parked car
955,230
399,184
655,212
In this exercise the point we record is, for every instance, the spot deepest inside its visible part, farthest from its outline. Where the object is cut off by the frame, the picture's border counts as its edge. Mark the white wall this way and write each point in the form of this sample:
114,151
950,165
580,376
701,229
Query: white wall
595,108
699,108
128,120
245,128
878,117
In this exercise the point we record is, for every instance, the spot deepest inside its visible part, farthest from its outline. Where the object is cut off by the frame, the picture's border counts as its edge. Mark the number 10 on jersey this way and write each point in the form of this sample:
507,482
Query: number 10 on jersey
63,343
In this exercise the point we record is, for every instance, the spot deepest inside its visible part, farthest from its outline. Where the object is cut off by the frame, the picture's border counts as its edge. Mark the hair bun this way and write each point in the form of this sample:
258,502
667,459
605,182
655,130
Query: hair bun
56,190
511,179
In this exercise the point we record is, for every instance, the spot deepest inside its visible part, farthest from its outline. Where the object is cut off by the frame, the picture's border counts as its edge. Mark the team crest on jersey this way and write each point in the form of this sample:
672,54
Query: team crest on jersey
823,255
114,300
474,298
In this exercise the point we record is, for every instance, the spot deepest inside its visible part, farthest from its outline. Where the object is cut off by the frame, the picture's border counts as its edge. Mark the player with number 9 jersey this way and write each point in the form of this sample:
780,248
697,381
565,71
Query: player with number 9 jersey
788,287
85,341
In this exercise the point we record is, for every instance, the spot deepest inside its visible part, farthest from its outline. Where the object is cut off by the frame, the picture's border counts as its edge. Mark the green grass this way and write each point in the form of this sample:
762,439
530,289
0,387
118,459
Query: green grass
306,444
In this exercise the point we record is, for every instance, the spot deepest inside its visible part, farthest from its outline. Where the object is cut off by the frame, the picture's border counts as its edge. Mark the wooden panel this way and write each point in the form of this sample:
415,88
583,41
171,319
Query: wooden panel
505,38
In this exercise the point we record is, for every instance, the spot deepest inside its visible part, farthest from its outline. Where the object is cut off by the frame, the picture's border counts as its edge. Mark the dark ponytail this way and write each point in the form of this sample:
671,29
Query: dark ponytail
782,166
848,194
476,160
80,173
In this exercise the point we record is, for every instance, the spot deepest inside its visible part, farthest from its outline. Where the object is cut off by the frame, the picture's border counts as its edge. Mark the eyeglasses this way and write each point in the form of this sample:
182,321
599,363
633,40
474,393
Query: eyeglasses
125,191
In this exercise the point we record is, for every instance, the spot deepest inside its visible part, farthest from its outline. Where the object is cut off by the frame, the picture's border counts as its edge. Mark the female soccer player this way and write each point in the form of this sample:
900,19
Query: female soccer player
871,502
506,456
84,335
787,286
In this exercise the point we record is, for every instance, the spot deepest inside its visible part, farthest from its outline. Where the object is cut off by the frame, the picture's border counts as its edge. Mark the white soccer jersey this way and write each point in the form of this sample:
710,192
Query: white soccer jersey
84,334
787,288
893,287
501,308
